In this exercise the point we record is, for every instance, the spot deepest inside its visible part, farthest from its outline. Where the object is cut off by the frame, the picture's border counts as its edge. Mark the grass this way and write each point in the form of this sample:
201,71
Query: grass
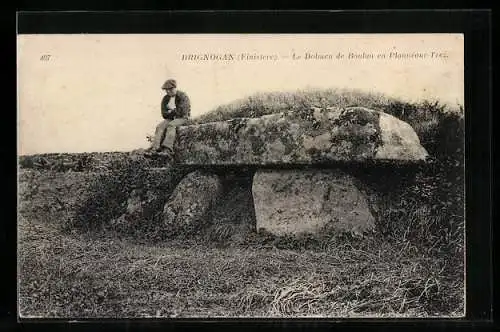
103,276
272,102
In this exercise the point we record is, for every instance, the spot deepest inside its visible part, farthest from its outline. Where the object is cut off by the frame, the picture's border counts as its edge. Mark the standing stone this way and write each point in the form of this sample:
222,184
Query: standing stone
189,206
309,201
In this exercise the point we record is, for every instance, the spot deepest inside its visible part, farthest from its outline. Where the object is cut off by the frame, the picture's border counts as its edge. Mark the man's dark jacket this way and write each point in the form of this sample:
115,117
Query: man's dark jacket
182,106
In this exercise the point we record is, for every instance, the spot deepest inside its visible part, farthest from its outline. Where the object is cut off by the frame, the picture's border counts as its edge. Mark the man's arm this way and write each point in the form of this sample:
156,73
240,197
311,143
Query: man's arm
165,112
183,109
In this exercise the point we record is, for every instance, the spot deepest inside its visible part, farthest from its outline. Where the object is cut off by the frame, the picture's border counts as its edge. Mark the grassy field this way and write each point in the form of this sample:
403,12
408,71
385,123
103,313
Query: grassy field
412,267
103,275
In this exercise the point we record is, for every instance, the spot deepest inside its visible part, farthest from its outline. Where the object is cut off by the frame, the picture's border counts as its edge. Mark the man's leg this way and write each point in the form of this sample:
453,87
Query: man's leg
159,134
170,132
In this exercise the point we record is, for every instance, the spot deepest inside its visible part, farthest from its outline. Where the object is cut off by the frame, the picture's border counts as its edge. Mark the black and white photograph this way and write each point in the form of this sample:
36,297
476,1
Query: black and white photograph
241,176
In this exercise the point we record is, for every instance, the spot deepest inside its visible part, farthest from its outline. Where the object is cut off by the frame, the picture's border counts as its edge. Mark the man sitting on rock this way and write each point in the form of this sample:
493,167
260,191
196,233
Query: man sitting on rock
175,110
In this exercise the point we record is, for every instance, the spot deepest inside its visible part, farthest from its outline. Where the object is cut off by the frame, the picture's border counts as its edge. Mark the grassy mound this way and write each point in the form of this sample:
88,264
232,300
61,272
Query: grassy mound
435,123
105,206
273,102
97,277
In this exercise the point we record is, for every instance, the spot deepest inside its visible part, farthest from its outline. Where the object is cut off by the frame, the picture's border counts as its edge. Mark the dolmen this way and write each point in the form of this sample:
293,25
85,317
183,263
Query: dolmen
300,183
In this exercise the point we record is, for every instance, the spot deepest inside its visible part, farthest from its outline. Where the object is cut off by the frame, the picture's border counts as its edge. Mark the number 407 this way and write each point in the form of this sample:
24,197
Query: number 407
45,57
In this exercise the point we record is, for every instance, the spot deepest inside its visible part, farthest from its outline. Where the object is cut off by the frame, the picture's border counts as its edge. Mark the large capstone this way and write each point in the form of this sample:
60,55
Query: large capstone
188,208
310,136
144,201
292,202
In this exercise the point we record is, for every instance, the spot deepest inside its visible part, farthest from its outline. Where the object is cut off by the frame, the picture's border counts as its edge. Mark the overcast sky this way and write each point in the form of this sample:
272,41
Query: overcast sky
103,92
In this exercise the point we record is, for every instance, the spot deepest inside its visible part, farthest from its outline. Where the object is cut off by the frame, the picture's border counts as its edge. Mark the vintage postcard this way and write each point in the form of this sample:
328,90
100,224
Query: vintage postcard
241,175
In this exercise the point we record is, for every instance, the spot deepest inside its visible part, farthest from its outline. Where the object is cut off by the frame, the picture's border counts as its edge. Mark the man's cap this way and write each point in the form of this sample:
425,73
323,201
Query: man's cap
169,84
